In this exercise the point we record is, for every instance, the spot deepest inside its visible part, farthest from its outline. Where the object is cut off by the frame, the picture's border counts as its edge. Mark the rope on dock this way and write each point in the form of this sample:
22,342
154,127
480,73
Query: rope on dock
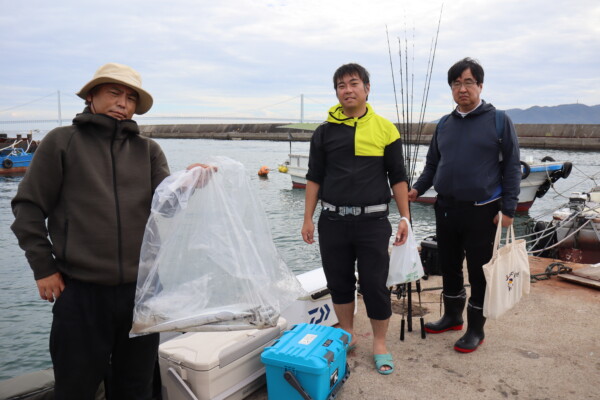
552,269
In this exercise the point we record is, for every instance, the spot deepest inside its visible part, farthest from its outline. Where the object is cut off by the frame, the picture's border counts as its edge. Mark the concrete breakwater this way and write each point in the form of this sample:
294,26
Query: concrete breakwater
548,136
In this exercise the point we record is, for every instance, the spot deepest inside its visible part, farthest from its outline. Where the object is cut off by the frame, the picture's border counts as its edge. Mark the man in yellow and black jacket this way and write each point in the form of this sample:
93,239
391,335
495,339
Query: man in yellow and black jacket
355,157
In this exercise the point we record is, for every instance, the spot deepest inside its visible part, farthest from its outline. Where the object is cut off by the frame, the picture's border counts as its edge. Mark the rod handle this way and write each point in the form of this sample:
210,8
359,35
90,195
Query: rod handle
402,330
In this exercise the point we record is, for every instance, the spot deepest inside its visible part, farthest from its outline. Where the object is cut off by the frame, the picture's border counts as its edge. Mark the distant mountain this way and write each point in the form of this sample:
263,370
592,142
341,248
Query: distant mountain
563,114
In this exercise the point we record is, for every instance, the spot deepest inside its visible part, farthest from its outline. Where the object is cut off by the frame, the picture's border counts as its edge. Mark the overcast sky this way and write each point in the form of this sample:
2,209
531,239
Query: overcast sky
255,58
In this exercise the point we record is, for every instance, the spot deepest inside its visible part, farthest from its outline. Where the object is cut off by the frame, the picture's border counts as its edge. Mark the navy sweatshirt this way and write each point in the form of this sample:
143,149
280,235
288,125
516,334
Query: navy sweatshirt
464,159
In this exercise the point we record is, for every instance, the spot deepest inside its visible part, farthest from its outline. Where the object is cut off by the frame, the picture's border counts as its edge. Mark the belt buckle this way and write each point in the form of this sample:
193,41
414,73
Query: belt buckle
348,210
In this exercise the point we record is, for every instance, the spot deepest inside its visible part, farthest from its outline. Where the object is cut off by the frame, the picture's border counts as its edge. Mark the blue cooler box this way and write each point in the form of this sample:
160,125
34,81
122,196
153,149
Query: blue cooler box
307,362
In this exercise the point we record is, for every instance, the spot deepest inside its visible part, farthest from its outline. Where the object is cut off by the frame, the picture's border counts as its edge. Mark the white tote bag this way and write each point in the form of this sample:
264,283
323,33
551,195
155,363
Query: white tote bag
405,262
507,274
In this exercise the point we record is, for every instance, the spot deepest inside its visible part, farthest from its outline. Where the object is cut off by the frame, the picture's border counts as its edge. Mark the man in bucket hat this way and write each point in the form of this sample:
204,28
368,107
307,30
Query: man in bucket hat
93,182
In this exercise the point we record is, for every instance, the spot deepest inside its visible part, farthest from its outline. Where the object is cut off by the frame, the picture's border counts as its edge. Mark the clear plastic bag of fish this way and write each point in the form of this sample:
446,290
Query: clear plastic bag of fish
208,261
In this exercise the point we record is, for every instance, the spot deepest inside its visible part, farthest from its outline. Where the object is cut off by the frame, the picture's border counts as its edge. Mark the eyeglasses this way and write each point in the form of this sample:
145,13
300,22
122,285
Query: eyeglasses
469,83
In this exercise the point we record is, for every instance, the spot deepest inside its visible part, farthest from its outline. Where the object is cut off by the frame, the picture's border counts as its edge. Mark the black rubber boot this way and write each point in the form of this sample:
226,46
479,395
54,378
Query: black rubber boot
474,335
452,319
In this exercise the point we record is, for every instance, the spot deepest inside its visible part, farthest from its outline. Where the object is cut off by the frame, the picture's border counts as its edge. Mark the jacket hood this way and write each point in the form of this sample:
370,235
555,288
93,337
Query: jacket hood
483,108
336,116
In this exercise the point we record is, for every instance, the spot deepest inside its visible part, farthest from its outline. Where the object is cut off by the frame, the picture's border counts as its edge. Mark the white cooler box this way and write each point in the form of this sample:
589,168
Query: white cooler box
316,308
215,365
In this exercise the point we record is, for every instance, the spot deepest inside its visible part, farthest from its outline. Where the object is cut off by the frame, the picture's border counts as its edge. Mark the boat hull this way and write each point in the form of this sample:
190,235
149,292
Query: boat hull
12,171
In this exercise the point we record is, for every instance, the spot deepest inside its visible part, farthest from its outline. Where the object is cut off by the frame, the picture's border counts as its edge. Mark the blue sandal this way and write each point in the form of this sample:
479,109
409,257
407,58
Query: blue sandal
382,360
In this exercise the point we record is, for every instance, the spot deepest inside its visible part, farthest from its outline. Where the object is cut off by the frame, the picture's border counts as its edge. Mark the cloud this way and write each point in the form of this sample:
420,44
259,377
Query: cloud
241,56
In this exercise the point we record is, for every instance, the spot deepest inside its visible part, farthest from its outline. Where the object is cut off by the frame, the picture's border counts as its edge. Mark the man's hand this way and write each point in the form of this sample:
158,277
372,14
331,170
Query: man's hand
308,231
506,220
201,165
402,233
51,287
204,177
413,194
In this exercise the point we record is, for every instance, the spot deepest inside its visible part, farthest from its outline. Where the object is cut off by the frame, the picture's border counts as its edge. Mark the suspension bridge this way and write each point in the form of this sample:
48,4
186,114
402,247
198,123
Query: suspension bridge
12,120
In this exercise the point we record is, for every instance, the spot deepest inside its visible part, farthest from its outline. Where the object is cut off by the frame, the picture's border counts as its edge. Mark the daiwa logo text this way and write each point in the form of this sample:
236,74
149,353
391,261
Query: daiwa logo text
322,313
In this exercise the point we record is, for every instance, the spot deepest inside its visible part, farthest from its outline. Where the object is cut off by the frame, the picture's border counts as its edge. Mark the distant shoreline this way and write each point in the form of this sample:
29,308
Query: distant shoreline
547,136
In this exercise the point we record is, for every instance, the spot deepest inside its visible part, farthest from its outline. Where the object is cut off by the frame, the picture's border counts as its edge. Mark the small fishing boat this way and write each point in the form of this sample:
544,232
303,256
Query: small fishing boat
14,161
297,167
16,154
537,178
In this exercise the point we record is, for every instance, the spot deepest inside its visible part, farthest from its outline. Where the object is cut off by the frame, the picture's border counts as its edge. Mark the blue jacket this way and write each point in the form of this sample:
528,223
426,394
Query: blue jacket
463,161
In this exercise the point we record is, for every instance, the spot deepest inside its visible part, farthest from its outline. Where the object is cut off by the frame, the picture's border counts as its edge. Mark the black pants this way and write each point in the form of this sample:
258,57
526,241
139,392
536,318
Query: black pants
347,241
465,230
90,334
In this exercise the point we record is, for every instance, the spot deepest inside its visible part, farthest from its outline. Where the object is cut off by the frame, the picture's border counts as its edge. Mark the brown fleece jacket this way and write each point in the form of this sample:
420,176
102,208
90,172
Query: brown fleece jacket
93,181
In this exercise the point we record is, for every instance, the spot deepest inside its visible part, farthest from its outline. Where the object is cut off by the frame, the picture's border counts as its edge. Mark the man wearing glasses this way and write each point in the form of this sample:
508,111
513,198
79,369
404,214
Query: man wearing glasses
473,163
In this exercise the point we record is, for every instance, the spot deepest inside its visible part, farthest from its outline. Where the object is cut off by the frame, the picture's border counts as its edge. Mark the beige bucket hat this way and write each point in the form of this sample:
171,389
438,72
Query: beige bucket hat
119,73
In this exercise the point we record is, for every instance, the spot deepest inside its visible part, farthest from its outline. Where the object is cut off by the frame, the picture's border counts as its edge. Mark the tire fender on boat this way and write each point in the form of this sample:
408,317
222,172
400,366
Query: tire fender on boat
566,170
7,163
526,170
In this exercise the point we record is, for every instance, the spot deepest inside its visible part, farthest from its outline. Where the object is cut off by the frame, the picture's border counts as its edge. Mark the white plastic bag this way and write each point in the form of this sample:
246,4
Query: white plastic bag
405,262
507,274
208,261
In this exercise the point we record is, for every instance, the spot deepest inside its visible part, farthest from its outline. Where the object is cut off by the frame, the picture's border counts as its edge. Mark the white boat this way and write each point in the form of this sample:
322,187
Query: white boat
537,178
297,167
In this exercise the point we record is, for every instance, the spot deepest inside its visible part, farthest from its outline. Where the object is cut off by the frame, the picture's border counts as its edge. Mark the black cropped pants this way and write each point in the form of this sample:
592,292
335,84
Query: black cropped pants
346,242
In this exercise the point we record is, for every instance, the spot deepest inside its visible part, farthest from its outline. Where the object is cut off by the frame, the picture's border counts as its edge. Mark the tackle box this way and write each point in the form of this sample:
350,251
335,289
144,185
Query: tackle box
316,307
307,362
215,365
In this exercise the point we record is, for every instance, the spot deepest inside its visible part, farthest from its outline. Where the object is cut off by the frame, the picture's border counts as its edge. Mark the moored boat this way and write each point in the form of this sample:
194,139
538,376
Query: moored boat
537,178
16,154
14,161
297,167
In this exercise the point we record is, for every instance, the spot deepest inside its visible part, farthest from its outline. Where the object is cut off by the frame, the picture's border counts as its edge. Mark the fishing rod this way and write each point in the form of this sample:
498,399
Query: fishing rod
407,100
425,97
412,135
393,79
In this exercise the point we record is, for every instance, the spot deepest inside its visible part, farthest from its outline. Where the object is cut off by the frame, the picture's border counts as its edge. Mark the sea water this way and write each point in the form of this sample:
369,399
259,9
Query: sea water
25,319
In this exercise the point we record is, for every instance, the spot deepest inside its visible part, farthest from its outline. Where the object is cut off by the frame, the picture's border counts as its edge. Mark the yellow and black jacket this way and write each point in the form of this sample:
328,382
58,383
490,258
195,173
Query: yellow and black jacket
353,159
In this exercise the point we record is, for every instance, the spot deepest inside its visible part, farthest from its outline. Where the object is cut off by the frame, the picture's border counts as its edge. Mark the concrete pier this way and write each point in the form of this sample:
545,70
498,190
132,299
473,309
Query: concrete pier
547,136
546,347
